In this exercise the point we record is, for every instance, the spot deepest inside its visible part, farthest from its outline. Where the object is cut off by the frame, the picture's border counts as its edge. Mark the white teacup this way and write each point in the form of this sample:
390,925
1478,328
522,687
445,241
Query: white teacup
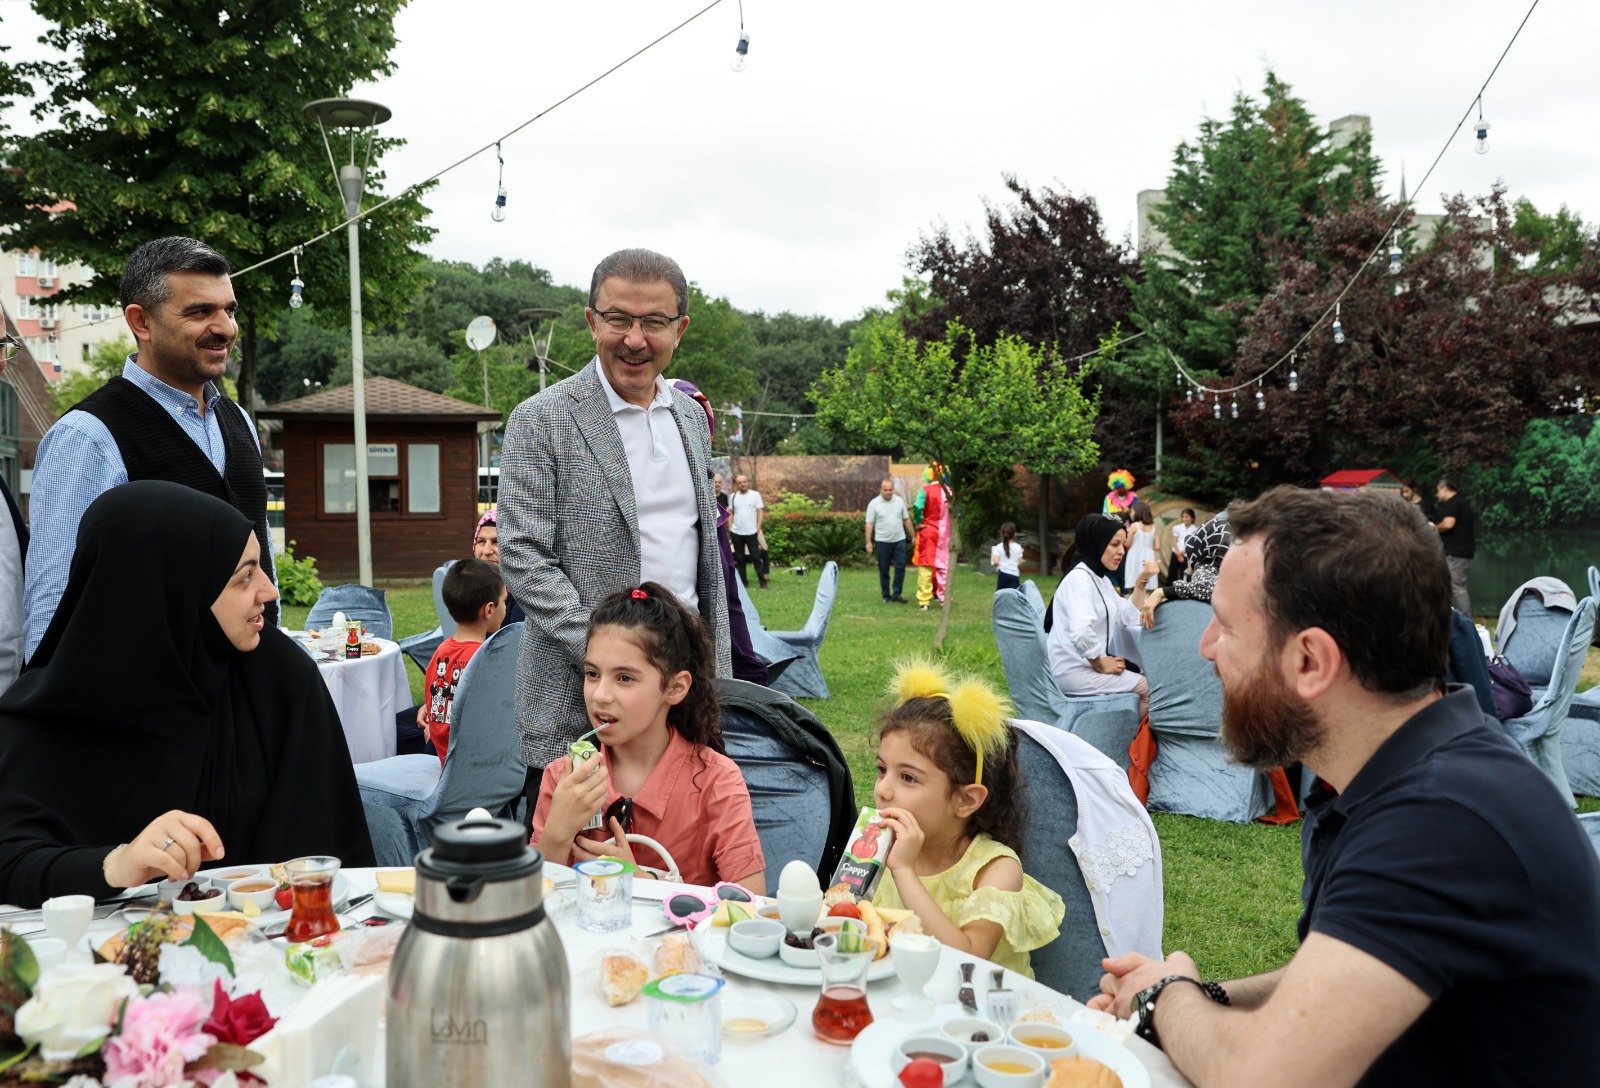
67,917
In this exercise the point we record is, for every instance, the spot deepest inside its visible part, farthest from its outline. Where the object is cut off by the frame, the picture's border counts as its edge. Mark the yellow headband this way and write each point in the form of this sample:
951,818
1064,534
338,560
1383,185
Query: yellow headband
979,714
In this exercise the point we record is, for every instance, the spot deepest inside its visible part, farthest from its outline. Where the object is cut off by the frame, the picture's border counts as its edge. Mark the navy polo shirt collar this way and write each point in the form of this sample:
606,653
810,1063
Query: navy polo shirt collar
1436,724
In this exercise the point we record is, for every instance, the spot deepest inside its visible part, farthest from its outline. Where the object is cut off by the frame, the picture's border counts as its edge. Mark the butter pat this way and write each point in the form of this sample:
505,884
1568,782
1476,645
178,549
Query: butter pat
403,881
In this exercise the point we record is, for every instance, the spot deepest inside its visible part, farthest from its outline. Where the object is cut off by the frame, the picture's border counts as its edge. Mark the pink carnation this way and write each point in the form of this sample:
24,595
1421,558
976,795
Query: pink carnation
160,1035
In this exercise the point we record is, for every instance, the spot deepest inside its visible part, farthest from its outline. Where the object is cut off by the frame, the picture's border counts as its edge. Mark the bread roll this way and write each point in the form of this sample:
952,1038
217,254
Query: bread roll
1081,1073
621,978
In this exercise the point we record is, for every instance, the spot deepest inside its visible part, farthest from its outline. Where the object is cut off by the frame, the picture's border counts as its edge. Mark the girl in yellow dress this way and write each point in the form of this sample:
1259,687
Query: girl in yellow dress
948,787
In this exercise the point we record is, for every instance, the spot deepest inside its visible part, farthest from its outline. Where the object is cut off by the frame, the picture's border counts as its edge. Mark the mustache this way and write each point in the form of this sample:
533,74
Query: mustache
215,342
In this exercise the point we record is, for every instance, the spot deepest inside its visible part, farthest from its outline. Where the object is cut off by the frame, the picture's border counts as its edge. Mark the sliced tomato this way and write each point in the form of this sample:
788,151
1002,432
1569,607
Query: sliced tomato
845,910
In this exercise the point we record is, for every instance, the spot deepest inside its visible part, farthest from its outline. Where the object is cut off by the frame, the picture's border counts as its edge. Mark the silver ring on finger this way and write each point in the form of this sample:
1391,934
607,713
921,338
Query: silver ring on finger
168,843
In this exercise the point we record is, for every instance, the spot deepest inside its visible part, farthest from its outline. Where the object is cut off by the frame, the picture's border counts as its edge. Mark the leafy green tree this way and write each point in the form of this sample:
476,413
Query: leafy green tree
164,118
300,356
106,360
1554,243
999,405
1551,477
718,353
409,359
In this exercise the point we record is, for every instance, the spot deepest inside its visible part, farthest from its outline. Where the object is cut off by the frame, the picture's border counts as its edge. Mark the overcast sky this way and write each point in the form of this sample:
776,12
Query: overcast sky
799,183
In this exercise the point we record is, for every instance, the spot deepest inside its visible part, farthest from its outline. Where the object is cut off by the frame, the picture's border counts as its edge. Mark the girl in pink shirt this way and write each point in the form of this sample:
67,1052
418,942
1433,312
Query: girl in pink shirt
662,772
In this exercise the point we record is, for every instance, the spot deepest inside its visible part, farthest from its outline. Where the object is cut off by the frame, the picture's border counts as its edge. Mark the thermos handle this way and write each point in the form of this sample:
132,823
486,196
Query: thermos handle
463,889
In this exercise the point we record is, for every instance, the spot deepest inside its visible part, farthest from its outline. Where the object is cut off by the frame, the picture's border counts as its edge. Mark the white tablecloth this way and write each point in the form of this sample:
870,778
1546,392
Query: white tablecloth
796,1057
368,693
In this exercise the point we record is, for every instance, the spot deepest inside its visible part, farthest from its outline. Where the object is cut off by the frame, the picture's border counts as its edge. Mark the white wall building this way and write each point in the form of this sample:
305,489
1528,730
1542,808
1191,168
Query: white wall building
59,335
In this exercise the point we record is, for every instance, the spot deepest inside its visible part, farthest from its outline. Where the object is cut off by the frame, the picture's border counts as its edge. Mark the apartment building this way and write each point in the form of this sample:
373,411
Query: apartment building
60,336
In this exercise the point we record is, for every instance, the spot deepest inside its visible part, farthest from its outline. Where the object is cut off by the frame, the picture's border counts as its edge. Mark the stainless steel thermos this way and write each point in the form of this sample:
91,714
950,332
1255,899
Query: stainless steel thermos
478,991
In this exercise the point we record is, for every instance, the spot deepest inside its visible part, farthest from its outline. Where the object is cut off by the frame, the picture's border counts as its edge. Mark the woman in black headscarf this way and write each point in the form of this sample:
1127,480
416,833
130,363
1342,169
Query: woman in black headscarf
1086,612
159,712
1203,553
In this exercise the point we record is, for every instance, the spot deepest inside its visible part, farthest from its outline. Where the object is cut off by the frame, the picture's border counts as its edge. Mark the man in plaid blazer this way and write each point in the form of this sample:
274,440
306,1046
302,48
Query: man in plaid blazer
606,481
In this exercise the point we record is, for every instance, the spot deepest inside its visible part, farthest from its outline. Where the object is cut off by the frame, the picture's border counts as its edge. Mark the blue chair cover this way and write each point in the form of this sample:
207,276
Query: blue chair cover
420,648
357,602
1539,732
799,782
803,677
406,797
1108,722
1191,773
777,654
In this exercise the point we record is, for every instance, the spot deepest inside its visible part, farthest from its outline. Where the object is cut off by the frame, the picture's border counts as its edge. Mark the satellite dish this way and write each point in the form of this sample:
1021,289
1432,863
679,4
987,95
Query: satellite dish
480,333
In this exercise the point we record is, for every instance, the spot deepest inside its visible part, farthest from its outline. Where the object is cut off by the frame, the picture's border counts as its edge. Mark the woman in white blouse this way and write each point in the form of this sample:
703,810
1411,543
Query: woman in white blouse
1086,613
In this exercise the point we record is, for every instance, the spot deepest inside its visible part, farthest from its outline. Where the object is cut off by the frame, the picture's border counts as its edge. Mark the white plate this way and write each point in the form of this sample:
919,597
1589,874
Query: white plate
772,969
399,905
870,1053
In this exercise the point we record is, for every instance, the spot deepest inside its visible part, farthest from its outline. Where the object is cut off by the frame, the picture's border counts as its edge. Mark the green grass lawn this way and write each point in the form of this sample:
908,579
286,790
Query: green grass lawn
1232,892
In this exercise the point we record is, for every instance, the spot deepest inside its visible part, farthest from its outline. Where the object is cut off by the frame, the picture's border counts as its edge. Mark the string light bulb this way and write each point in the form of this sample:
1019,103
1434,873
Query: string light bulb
1216,408
1233,410
1395,254
296,285
1482,129
1338,326
1294,375
499,212
1188,394
741,52
1261,398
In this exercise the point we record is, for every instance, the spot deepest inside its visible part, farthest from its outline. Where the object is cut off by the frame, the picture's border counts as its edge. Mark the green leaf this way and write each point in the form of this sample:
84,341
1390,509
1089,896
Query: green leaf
8,1060
17,960
210,945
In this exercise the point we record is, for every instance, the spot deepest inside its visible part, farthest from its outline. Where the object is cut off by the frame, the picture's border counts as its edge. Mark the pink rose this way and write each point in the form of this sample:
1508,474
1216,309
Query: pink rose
160,1035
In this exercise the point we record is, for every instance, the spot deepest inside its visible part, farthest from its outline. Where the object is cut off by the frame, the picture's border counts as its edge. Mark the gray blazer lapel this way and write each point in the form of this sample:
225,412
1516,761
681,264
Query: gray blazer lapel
598,428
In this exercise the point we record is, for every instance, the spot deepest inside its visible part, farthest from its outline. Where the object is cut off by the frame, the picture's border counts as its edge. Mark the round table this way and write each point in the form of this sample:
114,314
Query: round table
368,692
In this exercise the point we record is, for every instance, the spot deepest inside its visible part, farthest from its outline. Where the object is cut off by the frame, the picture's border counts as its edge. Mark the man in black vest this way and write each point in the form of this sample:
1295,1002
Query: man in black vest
165,418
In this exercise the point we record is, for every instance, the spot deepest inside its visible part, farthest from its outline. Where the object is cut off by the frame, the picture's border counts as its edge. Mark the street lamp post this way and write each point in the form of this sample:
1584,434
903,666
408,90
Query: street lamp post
360,117
541,348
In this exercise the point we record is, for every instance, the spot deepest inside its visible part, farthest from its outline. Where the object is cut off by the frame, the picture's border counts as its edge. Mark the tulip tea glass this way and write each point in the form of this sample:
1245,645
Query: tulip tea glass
842,1013
311,882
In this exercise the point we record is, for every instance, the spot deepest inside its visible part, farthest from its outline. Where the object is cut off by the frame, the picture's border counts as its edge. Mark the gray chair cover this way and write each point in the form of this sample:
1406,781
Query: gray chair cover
803,677
1539,732
1538,637
1191,773
420,648
406,797
357,602
1108,722
1590,821
799,782
777,654
1594,591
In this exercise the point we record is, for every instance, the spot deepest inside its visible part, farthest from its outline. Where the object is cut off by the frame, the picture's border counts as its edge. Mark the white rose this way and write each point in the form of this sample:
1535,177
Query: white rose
73,1006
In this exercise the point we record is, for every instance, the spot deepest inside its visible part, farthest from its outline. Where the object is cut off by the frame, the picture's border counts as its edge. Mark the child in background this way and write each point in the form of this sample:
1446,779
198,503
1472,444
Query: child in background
949,787
1003,557
1141,548
648,677
1181,533
475,596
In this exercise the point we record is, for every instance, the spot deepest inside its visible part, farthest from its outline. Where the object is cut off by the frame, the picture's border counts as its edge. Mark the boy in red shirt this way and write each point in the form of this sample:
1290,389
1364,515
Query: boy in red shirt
475,597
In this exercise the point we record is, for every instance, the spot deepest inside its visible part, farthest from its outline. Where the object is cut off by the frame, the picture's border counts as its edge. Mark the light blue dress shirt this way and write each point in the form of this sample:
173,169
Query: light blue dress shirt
78,460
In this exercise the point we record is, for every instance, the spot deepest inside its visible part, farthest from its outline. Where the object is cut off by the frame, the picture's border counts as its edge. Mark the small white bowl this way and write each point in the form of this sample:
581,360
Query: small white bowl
264,896
952,1056
223,877
1049,1041
988,1076
799,957
216,900
168,889
757,938
961,1029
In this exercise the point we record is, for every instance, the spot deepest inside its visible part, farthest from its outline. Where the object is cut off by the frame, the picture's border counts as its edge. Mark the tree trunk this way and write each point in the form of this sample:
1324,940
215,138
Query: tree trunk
1044,523
247,366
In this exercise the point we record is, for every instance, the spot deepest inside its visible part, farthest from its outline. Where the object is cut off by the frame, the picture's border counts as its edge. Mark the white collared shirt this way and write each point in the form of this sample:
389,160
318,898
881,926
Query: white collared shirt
663,491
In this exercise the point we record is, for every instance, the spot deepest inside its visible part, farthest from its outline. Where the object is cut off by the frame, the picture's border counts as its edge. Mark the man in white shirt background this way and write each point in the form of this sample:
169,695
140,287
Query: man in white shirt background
888,529
749,514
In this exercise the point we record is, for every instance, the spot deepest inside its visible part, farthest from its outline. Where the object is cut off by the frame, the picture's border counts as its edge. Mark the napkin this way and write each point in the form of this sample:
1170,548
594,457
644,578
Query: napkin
339,1013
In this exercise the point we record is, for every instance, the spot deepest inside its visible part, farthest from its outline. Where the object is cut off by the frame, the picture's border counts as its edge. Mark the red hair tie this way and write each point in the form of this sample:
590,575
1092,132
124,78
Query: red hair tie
640,595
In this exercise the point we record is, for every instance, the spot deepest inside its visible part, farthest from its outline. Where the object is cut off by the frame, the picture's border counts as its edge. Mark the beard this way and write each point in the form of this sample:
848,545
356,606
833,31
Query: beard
1264,724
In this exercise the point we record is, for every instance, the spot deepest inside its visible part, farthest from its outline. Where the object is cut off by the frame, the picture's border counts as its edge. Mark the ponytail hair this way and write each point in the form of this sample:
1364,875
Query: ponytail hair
1008,536
675,640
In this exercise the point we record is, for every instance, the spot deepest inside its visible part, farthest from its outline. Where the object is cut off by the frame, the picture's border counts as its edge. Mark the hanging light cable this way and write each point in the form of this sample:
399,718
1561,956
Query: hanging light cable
499,213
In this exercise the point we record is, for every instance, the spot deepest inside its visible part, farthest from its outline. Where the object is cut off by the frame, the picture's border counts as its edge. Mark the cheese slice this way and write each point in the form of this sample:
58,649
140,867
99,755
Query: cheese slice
403,881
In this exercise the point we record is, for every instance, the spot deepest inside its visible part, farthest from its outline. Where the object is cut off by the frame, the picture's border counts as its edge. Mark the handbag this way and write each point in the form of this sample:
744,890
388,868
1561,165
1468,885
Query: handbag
1513,697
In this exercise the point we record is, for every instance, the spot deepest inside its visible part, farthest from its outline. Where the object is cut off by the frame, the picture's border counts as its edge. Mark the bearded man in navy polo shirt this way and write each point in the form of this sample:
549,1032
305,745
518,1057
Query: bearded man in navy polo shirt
1451,924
